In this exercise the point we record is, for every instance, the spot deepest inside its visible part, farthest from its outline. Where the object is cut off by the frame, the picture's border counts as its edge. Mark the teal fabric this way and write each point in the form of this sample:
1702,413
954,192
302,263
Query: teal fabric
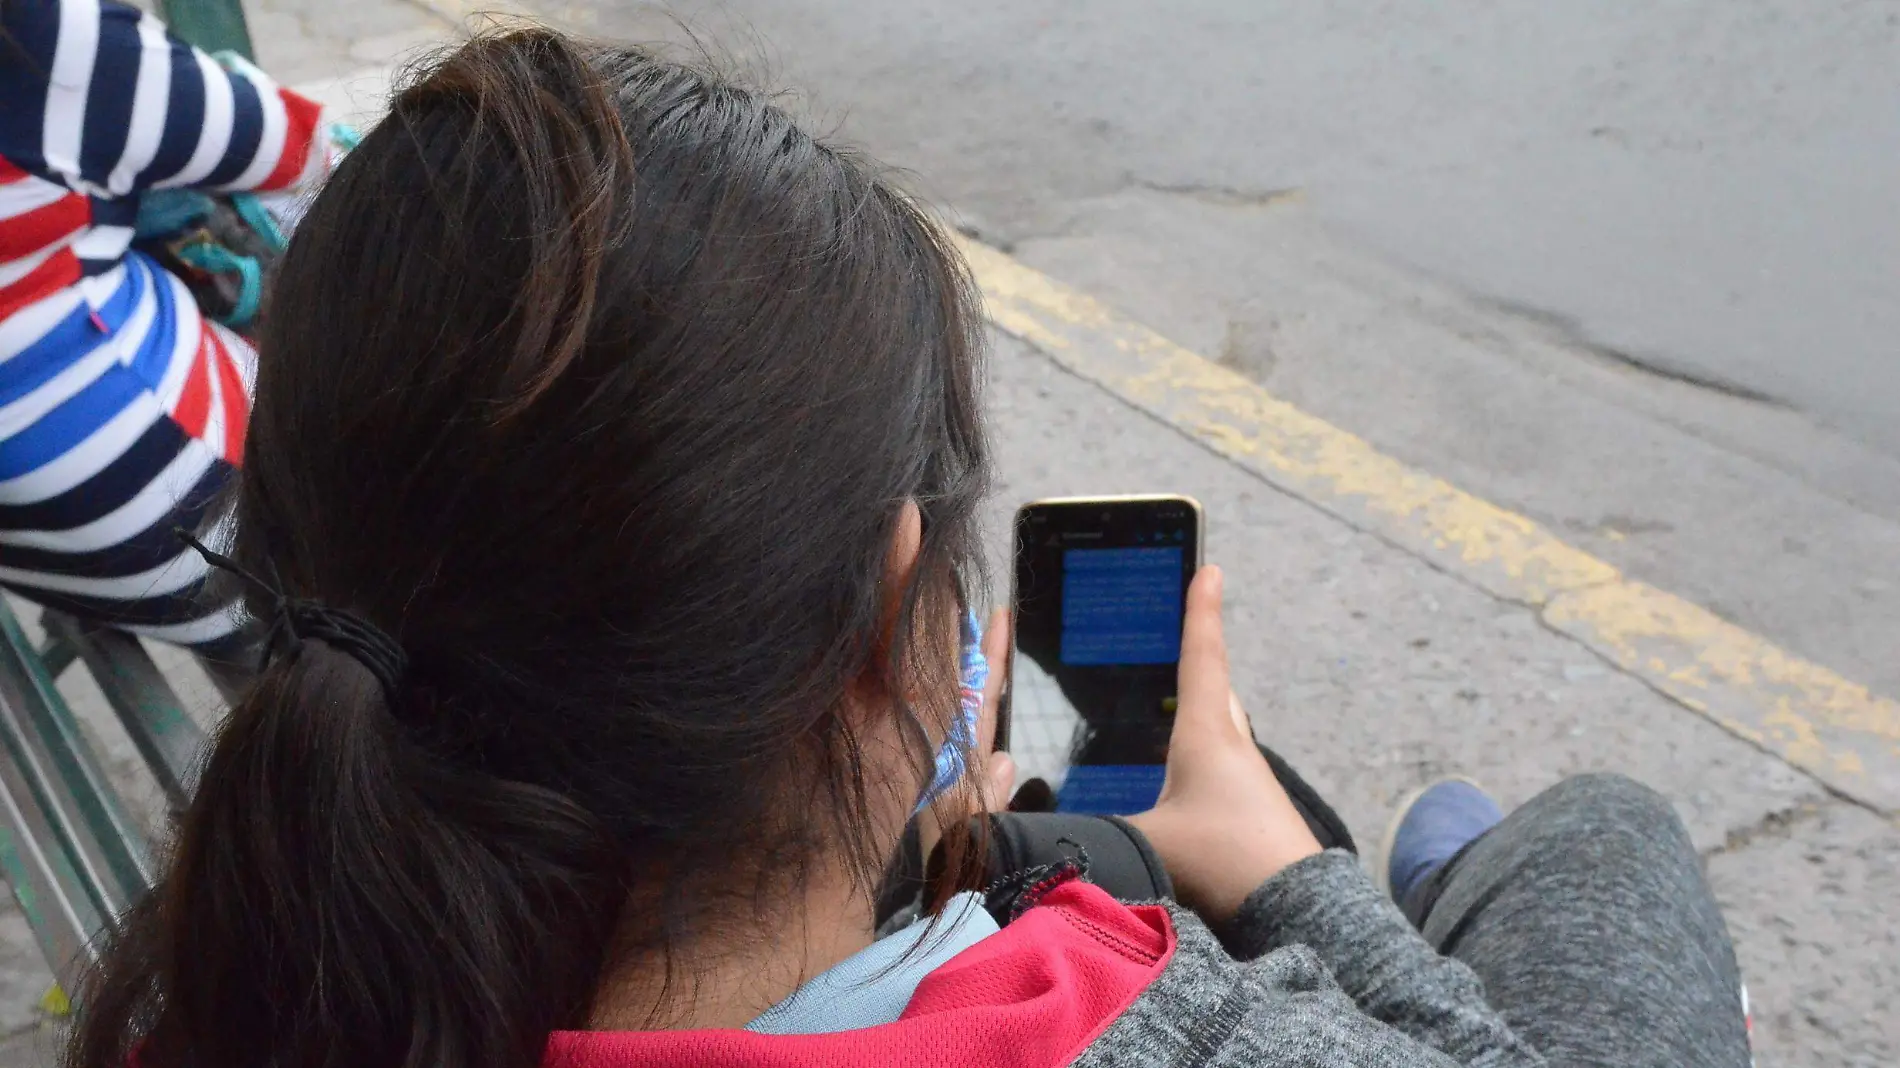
165,213
220,260
258,218
872,986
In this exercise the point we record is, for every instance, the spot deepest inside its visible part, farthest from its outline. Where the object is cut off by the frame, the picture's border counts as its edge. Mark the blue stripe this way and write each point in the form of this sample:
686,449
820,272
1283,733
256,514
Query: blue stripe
247,131
119,306
118,211
60,430
155,352
115,72
68,342
120,481
137,550
26,61
74,336
82,414
115,211
183,606
184,117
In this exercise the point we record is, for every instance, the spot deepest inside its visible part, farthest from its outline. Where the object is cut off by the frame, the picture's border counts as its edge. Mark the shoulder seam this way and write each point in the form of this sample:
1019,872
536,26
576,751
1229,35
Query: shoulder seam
1108,938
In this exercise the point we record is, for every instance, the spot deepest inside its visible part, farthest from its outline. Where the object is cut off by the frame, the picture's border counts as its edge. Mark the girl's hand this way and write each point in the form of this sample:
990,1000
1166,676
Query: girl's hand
994,771
1223,824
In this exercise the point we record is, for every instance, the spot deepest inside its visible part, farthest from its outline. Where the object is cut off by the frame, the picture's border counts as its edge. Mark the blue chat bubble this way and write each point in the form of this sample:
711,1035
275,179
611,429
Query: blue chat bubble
1121,606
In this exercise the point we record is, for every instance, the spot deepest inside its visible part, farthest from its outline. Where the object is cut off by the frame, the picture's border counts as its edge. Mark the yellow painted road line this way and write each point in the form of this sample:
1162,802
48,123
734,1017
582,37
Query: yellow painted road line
1830,727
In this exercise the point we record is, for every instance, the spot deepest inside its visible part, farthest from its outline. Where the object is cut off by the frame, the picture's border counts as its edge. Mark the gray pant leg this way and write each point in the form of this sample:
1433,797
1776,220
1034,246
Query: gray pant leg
1586,914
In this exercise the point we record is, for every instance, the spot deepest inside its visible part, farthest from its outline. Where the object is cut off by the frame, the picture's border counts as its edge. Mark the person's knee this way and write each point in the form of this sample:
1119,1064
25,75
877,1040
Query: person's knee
1612,789
1599,802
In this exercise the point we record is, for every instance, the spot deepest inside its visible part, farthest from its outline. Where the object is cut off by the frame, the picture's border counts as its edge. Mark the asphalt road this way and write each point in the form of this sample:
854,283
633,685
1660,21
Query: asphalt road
1704,187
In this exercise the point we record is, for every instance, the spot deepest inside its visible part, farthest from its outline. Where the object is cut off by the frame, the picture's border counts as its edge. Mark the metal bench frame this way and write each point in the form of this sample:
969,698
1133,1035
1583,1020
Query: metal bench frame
73,857
213,25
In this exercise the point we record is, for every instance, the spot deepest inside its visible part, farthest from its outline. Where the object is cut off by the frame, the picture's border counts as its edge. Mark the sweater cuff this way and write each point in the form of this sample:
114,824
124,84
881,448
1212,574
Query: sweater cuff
1324,901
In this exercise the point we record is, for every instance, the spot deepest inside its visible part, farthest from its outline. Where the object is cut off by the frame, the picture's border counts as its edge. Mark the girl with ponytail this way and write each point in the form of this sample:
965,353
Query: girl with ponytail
610,499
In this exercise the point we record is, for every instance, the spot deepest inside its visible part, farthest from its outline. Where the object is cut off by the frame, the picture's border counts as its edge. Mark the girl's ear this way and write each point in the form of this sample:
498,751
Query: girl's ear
900,566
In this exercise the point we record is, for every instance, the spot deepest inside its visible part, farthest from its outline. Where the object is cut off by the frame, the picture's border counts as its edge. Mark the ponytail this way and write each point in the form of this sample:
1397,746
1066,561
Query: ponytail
340,898
342,893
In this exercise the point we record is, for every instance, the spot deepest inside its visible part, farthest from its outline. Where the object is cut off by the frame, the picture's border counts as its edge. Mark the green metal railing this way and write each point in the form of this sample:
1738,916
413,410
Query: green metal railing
69,850
70,853
213,25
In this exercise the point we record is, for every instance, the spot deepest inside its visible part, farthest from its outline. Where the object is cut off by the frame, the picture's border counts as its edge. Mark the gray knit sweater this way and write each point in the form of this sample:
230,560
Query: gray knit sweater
1328,973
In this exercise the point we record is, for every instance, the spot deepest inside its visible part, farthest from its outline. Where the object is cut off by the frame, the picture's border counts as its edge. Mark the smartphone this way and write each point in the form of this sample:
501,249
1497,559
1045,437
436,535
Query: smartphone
1100,589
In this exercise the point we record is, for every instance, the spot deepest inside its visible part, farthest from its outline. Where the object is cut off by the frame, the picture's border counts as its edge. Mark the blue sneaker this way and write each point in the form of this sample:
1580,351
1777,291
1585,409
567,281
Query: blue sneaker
1430,827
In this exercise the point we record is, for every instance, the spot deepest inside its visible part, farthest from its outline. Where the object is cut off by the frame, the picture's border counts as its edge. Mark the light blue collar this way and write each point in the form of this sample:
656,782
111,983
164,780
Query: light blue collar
873,985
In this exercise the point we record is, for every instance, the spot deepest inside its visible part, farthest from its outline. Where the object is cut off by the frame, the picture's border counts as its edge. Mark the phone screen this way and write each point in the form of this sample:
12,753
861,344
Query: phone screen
1100,589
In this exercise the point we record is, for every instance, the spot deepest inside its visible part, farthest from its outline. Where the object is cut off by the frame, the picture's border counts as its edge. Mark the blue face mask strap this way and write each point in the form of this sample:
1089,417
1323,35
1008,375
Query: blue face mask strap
953,756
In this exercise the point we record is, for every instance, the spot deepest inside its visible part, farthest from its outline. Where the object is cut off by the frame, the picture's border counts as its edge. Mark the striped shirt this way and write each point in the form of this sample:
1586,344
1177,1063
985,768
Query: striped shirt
122,409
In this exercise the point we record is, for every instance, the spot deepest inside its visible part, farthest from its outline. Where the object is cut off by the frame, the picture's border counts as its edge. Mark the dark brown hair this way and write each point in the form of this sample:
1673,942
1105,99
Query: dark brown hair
601,386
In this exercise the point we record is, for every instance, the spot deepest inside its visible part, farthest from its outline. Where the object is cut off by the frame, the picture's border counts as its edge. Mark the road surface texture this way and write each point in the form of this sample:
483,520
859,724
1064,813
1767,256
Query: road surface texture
1360,208
1700,186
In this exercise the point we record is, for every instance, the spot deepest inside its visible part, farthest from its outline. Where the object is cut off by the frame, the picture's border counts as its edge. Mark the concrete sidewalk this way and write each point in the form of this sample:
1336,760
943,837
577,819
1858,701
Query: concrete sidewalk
1370,666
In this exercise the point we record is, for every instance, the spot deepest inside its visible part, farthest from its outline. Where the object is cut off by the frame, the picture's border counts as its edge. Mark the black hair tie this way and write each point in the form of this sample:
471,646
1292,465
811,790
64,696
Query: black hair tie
293,619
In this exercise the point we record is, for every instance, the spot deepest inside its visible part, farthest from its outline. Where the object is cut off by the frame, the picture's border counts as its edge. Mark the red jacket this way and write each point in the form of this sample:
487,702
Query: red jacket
1034,995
